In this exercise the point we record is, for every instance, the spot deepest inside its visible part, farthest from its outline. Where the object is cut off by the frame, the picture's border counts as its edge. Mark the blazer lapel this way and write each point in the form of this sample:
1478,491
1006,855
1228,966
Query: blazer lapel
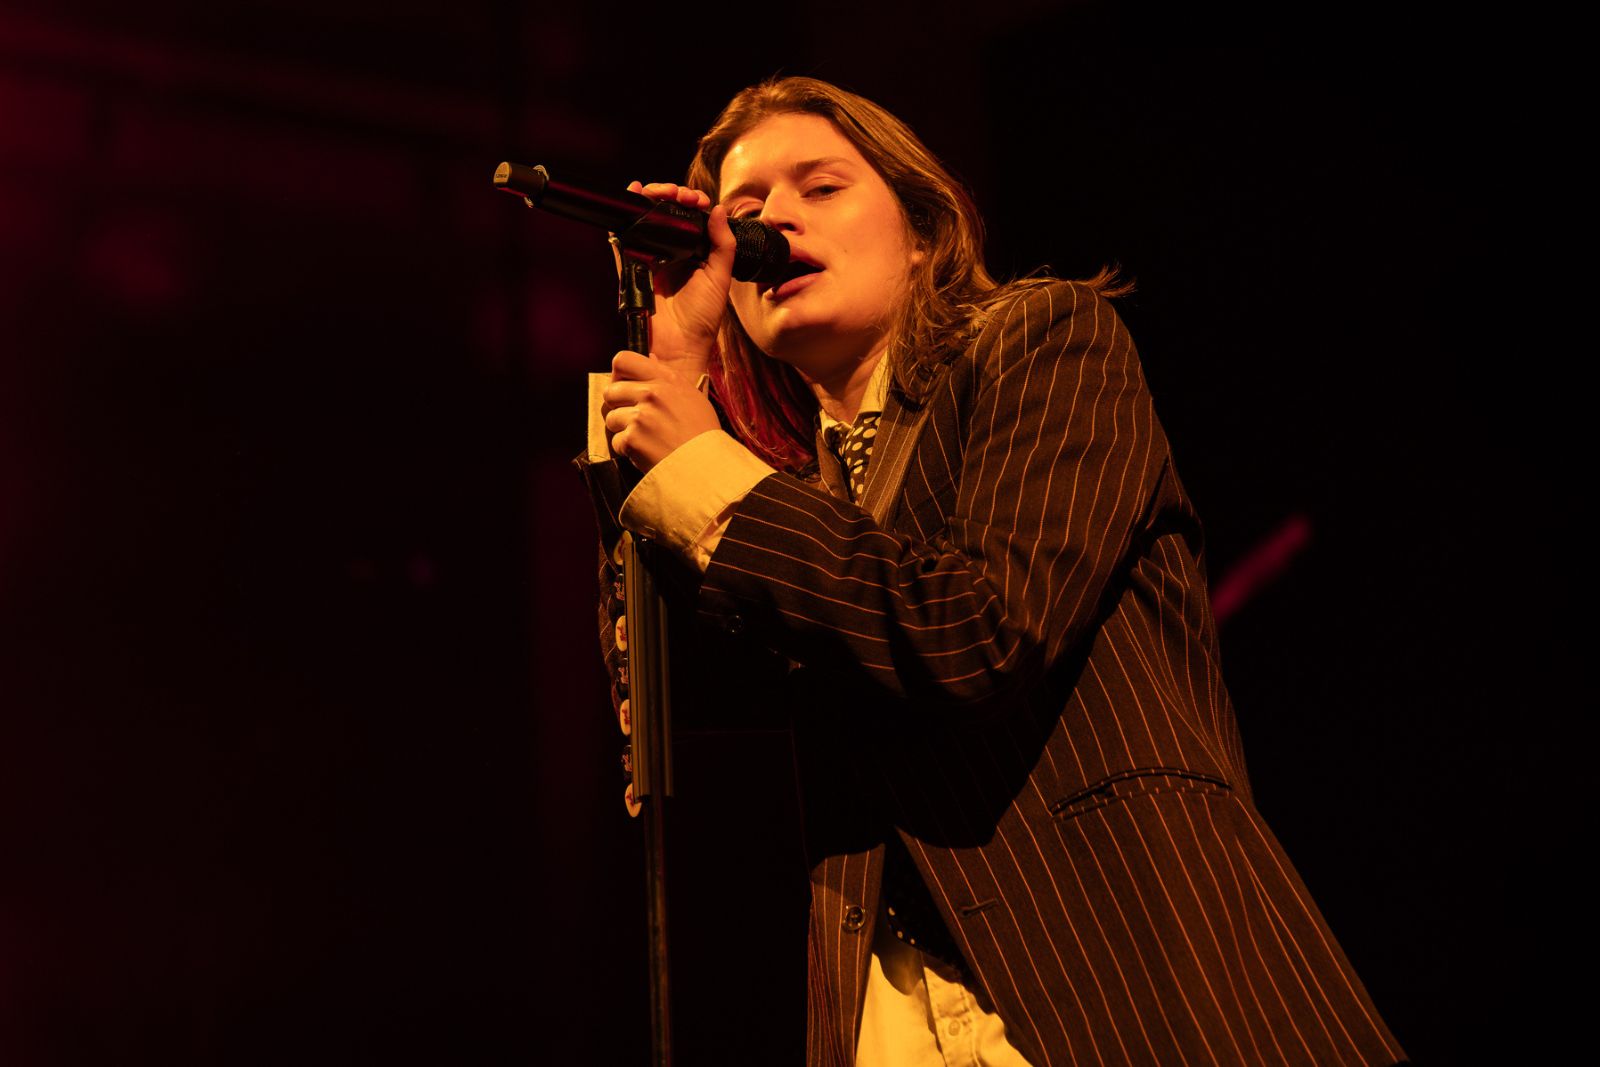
830,470
899,429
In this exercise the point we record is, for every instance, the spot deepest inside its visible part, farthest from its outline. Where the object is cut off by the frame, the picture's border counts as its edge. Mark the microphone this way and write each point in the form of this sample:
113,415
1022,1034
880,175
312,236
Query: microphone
669,232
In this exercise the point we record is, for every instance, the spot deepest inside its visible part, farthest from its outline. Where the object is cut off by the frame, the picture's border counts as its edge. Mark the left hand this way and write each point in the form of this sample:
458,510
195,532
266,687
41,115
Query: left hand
691,299
650,411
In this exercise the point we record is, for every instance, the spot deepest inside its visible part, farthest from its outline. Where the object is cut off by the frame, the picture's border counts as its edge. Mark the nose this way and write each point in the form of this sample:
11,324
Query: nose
782,211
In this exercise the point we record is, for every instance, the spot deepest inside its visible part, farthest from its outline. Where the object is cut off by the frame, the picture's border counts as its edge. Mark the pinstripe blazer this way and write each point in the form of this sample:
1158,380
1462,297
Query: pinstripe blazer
1005,656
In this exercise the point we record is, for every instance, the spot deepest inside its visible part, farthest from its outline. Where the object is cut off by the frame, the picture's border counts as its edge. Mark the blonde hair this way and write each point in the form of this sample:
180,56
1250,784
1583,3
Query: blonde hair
769,405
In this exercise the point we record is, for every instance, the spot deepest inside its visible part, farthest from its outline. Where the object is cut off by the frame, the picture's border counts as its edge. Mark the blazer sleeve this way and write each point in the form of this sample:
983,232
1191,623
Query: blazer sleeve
711,675
1056,460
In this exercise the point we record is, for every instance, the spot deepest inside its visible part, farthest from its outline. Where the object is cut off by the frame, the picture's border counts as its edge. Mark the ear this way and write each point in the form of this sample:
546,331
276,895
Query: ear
919,251
919,243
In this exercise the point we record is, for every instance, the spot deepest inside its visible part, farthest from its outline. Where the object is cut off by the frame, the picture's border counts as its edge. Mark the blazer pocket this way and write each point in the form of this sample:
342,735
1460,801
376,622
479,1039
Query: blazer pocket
1144,781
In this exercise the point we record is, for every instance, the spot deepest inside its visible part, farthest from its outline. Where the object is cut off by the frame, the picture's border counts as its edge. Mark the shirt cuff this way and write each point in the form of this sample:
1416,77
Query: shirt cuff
688,499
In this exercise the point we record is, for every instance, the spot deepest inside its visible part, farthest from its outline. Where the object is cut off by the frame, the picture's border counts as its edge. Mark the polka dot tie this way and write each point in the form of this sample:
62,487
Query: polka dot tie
857,451
910,911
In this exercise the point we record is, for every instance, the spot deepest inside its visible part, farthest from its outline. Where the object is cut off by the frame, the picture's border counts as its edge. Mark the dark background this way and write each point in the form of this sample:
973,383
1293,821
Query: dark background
304,745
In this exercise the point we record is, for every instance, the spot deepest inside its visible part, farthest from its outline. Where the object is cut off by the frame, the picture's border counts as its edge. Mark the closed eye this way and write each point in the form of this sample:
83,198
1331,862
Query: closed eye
821,191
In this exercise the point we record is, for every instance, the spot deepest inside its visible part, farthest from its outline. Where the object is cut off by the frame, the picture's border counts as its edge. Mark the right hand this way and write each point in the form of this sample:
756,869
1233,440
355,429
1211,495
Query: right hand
690,298
652,409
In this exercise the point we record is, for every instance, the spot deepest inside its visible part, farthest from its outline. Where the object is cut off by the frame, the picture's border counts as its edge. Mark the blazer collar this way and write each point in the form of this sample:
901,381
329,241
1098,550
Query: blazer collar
899,429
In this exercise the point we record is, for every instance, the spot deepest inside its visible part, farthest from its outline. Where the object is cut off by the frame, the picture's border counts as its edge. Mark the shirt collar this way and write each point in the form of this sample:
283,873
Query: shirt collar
872,400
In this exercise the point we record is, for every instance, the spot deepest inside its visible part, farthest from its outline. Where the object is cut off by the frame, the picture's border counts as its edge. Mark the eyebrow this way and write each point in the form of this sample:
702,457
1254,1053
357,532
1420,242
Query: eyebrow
798,170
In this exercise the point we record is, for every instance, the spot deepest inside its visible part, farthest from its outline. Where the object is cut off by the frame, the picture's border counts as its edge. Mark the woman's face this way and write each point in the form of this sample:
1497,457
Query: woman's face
798,173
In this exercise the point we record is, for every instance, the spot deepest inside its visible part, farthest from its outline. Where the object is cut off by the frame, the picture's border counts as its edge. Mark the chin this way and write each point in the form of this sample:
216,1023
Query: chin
819,349
786,333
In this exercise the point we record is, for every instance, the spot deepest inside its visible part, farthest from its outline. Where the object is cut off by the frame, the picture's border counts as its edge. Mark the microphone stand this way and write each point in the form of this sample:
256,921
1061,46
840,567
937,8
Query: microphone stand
645,233
649,690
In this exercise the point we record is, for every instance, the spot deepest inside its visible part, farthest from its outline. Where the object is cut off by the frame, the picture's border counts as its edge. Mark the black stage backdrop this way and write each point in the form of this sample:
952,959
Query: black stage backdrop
305,755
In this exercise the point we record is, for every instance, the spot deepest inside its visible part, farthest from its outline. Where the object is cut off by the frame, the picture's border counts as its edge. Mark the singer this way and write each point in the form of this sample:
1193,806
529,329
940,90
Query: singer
946,503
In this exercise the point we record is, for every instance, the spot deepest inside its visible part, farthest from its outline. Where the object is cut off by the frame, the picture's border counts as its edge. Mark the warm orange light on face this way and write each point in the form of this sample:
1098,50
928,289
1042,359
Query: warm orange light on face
800,174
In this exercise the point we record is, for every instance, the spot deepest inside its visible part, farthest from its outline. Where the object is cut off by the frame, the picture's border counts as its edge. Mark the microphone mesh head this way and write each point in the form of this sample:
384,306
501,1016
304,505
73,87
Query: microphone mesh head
761,253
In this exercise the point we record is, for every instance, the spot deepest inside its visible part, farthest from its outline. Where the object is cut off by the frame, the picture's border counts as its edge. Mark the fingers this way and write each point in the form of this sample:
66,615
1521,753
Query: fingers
649,411
632,367
671,191
722,242
624,398
619,419
625,395
633,432
620,429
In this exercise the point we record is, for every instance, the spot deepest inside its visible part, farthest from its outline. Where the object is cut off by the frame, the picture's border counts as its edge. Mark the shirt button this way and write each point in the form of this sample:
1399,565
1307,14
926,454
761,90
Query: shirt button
855,917
954,1029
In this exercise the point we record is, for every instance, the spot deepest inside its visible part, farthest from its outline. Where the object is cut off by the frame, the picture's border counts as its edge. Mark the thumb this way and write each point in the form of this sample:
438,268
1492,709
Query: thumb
720,262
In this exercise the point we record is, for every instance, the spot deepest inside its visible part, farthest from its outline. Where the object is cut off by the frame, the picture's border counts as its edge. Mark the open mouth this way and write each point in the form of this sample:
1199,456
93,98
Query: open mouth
797,268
